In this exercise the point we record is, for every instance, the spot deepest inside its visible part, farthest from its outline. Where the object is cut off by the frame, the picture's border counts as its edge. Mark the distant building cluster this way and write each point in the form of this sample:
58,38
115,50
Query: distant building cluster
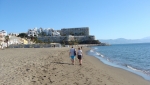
81,31
49,34
13,39
65,34
13,34
42,32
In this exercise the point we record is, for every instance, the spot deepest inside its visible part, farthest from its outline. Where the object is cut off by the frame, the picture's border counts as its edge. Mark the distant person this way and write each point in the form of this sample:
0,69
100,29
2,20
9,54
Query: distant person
80,56
72,54
54,46
81,47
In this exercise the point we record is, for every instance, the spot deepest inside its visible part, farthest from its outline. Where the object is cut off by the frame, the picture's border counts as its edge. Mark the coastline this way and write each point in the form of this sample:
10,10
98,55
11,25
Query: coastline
120,74
125,66
52,66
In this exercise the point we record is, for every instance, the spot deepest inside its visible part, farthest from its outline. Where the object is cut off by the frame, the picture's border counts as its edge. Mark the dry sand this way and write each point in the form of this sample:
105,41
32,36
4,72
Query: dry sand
52,66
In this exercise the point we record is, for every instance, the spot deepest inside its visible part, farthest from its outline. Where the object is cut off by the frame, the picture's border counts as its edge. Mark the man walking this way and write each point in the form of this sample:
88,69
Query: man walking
72,54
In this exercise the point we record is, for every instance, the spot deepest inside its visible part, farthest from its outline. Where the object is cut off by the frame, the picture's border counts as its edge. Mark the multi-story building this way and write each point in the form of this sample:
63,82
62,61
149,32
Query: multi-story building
70,34
42,32
51,32
65,34
32,32
4,32
2,38
13,34
80,31
2,35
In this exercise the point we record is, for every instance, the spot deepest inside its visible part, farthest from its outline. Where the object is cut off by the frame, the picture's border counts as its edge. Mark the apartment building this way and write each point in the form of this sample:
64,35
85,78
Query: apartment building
80,31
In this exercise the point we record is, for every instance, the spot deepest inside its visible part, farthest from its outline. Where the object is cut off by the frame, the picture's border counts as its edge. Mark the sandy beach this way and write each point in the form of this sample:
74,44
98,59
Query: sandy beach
52,66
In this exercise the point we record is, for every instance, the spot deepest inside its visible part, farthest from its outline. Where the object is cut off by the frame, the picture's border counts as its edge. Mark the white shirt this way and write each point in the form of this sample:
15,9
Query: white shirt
79,52
72,51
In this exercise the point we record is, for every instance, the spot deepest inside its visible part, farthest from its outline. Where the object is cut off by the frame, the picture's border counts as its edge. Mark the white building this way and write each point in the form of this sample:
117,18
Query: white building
79,31
2,38
13,34
44,32
65,34
3,32
33,32
51,32
2,35
14,40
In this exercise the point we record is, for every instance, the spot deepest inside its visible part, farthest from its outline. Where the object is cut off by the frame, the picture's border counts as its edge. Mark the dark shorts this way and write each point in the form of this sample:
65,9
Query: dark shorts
79,57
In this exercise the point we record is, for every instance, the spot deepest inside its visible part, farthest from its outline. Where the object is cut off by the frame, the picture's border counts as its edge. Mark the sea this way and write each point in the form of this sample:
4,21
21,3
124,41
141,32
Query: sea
131,57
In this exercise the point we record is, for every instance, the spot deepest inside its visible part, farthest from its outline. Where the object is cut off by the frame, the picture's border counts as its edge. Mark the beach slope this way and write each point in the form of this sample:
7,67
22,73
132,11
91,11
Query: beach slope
52,66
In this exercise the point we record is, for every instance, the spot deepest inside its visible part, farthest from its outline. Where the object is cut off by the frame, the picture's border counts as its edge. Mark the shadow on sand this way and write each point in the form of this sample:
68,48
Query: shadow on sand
61,63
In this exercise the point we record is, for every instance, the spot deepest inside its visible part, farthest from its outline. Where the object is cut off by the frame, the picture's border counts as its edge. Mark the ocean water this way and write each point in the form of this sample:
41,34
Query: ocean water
131,57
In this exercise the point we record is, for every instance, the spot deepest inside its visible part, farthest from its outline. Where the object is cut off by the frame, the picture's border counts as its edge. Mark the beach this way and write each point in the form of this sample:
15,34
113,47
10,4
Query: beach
52,66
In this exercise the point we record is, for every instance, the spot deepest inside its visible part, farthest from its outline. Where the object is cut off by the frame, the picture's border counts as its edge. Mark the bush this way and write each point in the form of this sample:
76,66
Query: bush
81,42
90,42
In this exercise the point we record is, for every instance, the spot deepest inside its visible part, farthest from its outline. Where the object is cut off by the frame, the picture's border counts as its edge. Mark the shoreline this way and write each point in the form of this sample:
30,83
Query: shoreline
44,66
132,70
124,67
118,70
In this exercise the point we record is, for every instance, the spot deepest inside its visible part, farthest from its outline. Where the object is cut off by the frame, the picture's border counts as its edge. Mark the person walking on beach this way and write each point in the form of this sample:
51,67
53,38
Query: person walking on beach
72,54
80,55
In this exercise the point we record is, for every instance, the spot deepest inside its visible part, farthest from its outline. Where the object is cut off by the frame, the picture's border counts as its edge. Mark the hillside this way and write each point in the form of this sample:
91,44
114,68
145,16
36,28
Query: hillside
125,41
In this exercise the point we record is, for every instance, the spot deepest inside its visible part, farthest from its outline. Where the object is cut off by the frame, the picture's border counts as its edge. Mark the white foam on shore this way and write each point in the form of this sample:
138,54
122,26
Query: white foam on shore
132,68
107,61
98,53
91,50
102,56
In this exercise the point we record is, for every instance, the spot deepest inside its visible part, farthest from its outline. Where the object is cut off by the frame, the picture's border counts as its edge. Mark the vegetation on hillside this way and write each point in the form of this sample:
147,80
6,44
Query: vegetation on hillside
23,35
75,42
82,42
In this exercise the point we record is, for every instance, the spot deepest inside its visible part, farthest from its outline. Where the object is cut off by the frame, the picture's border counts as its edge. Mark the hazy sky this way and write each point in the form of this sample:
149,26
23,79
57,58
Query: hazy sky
107,19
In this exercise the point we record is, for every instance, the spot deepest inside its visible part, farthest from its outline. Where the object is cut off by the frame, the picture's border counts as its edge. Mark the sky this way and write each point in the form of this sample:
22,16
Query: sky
106,19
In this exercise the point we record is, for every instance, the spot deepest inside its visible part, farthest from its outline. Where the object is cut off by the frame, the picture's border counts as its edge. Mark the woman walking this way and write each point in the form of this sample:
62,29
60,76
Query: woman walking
80,55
